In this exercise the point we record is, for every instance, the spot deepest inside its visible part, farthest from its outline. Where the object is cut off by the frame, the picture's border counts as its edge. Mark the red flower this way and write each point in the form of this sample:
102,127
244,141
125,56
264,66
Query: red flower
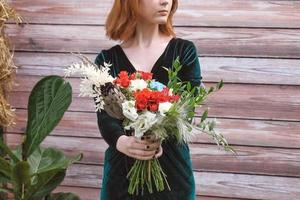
123,79
150,99
125,82
123,74
146,76
132,76
141,99
153,107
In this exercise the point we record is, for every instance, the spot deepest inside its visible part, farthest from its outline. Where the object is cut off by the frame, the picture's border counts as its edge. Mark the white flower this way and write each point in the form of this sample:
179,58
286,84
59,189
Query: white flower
92,75
129,110
164,107
143,123
138,84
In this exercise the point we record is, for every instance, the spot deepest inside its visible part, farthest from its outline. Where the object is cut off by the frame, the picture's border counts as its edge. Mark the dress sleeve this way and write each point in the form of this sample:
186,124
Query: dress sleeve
191,70
110,128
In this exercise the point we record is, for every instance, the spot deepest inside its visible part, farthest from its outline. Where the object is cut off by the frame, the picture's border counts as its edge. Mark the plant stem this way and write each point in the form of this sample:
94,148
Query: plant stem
3,196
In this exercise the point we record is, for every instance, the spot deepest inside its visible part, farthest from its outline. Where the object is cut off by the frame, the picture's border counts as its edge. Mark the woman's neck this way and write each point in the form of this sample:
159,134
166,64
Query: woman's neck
147,35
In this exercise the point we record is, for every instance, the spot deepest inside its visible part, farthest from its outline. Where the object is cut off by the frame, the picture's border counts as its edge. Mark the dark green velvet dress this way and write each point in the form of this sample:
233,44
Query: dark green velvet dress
175,160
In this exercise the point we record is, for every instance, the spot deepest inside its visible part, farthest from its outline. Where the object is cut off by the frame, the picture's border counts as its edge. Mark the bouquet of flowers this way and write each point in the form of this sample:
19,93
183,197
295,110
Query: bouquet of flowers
148,107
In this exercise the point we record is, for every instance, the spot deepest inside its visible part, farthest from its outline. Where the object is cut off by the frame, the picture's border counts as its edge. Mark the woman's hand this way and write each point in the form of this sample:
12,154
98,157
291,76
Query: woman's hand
145,148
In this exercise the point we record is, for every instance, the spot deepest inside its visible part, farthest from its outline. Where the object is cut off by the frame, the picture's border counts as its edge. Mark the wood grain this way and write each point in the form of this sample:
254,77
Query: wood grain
208,183
205,157
94,193
217,13
231,70
254,46
266,102
237,131
241,42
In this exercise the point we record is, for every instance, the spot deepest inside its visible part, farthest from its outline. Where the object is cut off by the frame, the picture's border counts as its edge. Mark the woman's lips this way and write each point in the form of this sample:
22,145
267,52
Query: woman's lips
163,12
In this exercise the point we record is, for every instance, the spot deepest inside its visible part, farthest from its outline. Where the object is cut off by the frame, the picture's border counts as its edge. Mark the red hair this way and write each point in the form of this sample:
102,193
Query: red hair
122,20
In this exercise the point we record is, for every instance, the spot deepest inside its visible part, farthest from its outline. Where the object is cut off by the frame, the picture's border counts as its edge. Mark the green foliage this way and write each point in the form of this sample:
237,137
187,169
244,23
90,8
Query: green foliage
34,172
50,97
184,110
63,196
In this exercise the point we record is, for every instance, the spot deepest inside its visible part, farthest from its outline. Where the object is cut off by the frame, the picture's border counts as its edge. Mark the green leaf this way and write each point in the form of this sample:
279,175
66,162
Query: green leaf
211,89
5,168
189,86
50,159
211,125
63,196
6,190
47,166
220,84
45,183
4,179
204,115
48,101
20,176
7,150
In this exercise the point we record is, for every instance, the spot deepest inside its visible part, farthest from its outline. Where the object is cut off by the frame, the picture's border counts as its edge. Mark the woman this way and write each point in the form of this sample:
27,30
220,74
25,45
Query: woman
148,43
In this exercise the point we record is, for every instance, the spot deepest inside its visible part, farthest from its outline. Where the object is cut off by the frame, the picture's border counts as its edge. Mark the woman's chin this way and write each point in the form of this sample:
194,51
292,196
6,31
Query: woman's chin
161,21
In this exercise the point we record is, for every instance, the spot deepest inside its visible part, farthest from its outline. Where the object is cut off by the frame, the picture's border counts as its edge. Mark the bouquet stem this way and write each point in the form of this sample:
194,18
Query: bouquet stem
145,172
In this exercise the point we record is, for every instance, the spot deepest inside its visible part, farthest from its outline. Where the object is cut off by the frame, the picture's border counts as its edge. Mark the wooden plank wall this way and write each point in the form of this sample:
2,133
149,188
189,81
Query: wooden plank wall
253,45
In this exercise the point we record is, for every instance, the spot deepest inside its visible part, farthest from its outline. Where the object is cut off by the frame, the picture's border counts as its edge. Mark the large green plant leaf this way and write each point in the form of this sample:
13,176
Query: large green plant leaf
20,177
49,159
46,167
48,101
7,150
5,168
63,196
44,184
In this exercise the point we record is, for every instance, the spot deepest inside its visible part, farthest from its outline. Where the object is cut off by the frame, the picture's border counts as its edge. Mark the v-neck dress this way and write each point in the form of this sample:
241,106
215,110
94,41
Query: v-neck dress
175,160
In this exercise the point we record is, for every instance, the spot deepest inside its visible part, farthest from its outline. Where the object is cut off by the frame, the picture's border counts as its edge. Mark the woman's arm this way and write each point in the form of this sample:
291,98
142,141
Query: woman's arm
191,70
113,133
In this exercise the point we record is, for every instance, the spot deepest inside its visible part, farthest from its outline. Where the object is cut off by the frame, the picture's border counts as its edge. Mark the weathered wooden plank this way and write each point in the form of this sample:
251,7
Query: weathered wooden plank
231,70
258,101
208,183
234,13
237,131
205,157
94,193
241,42
86,193
270,102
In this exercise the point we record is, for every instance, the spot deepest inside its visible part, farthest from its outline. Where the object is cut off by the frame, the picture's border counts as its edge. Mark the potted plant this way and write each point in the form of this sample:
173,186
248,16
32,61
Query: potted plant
30,171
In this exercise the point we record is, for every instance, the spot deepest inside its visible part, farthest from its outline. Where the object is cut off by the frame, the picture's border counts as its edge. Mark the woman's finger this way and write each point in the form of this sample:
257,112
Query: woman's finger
141,153
150,146
147,146
151,137
159,153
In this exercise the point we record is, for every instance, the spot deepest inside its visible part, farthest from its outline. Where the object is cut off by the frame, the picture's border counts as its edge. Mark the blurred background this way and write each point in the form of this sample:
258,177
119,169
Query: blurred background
253,45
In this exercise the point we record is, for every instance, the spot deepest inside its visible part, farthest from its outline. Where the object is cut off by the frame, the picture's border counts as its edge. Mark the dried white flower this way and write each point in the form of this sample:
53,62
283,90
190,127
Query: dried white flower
92,78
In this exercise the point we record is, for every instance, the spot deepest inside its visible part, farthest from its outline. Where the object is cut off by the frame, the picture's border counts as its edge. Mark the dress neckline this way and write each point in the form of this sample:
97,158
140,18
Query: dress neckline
156,62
